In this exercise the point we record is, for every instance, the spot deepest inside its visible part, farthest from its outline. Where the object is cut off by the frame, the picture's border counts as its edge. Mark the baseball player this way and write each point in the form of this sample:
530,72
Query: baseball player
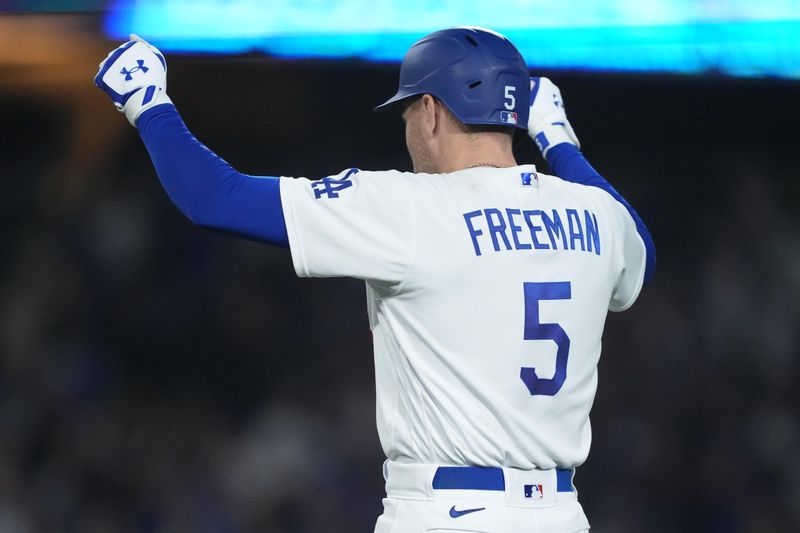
487,282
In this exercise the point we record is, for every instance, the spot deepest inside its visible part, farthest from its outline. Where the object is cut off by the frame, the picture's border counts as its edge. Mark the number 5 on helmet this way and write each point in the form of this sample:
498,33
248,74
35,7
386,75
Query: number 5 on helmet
548,125
135,77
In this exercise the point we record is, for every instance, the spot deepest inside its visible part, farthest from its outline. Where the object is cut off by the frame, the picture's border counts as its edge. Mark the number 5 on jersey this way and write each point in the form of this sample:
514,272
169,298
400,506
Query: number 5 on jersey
535,330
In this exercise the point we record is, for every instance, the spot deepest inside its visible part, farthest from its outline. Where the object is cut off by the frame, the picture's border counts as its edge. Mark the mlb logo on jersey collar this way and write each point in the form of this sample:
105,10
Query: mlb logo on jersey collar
529,178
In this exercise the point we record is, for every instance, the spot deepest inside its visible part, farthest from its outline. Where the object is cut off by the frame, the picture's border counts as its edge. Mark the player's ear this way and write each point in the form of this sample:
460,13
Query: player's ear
429,114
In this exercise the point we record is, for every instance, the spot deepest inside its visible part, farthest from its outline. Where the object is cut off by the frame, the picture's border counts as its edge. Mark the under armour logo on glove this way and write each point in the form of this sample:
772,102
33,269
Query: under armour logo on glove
138,67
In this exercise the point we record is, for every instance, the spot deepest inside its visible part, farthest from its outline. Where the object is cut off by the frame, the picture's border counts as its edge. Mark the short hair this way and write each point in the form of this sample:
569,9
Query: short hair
466,128
490,128
479,128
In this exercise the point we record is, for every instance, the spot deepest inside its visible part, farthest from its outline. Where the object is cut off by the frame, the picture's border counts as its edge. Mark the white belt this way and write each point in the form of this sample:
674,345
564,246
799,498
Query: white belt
525,488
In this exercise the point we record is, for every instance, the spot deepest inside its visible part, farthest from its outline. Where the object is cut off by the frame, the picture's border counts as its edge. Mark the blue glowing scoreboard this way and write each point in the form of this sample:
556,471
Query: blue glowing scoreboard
733,37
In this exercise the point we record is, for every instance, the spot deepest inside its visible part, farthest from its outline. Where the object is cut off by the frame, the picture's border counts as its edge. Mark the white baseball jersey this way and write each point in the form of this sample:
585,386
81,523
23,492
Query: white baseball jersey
487,292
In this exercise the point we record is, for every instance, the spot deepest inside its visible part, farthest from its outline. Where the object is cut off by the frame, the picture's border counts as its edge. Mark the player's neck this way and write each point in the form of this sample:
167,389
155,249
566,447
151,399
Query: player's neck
486,152
464,150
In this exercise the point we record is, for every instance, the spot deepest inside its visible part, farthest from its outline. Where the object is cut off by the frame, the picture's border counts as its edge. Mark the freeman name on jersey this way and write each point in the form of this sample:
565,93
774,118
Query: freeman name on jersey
533,229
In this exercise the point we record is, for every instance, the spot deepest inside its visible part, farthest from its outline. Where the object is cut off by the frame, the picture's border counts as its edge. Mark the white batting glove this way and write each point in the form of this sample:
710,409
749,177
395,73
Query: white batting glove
135,77
548,125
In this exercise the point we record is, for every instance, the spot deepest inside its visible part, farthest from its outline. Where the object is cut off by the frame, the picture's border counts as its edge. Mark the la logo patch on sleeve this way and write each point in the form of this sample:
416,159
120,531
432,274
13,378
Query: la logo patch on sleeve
331,187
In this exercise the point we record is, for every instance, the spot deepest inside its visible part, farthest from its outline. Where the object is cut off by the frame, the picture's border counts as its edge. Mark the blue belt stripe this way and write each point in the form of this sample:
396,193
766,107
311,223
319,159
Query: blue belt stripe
469,478
487,478
564,479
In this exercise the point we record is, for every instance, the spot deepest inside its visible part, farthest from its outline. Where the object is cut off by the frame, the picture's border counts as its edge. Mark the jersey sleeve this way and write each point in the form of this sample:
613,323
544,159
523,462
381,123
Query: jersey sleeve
356,224
632,257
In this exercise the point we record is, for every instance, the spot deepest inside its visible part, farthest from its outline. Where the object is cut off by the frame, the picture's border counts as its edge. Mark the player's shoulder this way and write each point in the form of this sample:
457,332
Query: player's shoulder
392,181
588,193
381,181
590,196
552,181
385,175
355,185
356,176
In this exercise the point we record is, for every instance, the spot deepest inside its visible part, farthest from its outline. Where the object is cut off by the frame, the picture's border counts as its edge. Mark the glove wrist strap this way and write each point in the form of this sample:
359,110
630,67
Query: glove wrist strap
551,136
142,100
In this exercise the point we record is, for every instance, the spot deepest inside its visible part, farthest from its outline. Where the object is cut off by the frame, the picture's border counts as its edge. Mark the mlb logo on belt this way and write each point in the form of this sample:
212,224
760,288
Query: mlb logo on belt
508,117
534,492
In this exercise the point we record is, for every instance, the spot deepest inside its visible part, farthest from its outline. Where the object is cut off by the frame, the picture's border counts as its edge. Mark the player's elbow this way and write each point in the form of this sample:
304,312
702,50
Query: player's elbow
211,219
197,215
203,218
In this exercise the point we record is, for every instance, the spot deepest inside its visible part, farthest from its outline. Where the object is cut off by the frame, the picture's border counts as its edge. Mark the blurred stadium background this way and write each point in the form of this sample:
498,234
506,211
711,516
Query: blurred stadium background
155,377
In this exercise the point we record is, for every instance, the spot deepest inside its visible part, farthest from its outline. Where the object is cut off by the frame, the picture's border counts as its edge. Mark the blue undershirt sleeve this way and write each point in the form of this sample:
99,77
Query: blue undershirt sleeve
568,163
205,187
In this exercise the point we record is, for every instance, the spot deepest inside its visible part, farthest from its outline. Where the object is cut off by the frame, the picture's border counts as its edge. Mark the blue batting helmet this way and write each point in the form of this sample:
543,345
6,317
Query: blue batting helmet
477,73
